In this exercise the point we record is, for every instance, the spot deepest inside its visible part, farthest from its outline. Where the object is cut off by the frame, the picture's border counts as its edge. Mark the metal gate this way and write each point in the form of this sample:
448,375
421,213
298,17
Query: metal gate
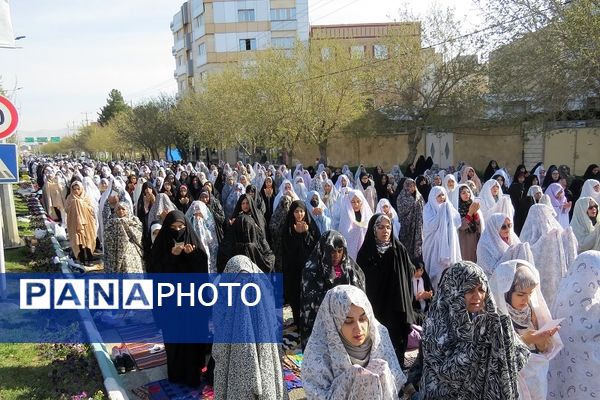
440,147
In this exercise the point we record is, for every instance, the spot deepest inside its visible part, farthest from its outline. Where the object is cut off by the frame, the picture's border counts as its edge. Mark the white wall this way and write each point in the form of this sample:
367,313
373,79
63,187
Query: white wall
227,11
302,16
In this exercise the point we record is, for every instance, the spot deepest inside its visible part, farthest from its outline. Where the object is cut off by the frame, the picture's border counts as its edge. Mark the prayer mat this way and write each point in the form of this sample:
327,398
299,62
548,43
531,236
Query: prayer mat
165,390
138,340
291,366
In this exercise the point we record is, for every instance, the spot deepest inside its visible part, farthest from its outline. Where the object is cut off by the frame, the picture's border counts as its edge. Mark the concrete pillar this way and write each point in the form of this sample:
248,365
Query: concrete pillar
10,232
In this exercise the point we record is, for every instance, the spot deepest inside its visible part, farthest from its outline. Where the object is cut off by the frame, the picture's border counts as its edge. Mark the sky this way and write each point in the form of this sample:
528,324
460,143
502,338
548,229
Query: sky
76,51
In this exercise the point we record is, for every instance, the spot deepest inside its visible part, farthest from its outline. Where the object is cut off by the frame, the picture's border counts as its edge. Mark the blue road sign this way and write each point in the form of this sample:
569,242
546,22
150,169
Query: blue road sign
9,166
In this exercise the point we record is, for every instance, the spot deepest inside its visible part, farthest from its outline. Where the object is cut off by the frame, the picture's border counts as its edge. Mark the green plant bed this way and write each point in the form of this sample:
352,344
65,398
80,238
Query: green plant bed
24,229
21,208
49,371
17,260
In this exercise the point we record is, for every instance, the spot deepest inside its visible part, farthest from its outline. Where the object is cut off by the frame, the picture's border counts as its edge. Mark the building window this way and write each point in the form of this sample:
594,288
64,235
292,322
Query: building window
247,44
283,43
326,53
380,51
201,49
179,60
357,51
199,21
283,14
246,15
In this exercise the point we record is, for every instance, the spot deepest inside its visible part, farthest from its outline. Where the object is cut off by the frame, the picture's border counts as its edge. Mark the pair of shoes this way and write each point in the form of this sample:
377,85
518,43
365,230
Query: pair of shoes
122,359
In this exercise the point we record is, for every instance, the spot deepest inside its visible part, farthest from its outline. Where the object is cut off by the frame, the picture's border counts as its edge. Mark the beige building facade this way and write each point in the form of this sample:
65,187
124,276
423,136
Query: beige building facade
368,40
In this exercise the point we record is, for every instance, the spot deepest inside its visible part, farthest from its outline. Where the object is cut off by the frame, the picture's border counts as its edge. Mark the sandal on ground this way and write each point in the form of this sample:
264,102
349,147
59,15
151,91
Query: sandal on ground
157,348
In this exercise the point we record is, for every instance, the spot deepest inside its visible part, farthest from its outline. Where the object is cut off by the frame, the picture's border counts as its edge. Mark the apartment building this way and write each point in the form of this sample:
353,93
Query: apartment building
367,40
208,34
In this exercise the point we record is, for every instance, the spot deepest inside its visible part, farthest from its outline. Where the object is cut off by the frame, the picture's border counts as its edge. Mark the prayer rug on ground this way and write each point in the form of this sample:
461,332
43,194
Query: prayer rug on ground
165,390
141,341
291,366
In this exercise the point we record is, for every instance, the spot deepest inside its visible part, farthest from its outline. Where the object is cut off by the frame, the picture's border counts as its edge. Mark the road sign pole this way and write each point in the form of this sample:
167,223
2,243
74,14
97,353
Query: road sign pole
10,230
2,266
9,119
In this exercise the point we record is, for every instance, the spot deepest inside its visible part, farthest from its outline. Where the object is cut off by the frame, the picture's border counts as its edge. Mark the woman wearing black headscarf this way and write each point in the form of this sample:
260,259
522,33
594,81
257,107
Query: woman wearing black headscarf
183,200
169,189
428,163
552,176
244,237
521,169
591,172
252,191
328,266
388,275
411,171
267,194
276,226
208,186
170,178
381,187
177,249
423,186
420,166
195,187
490,170
517,190
144,205
299,236
246,204
531,180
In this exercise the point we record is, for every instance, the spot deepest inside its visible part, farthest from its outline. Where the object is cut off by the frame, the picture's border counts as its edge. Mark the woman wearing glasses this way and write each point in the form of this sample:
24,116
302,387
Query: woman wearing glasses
499,243
585,224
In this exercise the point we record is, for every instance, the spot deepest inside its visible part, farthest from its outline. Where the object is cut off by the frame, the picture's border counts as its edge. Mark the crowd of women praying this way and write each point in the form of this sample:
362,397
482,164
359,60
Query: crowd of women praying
486,266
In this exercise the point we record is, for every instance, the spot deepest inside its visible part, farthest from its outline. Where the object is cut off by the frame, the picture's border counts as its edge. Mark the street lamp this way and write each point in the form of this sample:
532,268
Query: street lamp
20,37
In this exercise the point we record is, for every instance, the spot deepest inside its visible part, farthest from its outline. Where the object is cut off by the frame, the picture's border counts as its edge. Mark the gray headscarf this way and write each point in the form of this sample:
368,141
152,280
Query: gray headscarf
328,371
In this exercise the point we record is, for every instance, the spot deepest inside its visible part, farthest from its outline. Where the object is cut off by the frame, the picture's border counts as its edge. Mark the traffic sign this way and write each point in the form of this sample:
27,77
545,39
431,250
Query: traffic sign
9,166
29,139
55,139
8,118
41,139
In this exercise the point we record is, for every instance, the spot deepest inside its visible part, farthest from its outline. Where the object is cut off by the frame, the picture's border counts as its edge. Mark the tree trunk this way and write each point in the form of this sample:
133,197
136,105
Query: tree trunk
414,138
286,156
323,152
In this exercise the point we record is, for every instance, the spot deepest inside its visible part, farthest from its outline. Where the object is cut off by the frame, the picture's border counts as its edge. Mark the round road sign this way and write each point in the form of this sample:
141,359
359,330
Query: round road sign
8,118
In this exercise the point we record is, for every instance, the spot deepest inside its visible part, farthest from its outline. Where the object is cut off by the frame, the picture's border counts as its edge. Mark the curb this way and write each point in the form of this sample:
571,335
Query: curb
112,381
